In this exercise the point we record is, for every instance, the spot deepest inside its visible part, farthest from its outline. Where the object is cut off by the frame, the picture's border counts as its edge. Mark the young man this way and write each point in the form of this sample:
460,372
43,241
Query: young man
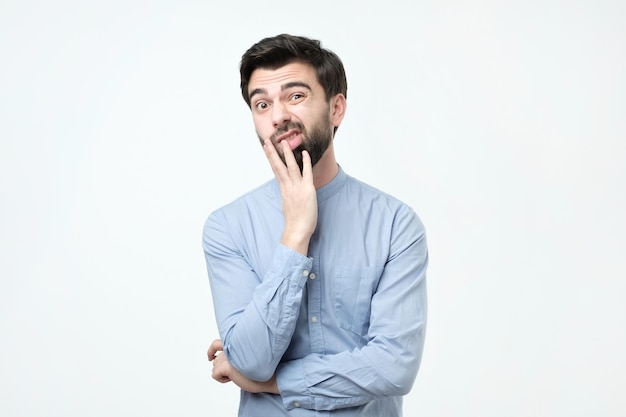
318,280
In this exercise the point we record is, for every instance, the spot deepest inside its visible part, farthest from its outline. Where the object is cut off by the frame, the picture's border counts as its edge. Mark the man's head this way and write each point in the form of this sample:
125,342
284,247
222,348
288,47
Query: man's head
296,91
278,51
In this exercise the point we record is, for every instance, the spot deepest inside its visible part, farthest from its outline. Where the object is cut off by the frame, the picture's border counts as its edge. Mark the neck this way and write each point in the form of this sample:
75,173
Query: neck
326,168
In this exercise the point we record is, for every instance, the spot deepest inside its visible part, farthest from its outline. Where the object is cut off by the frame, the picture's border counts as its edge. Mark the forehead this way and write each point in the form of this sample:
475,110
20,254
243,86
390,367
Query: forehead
265,78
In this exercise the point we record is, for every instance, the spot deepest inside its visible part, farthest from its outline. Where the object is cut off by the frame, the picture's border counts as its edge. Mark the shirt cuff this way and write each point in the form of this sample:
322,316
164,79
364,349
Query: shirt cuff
291,385
290,263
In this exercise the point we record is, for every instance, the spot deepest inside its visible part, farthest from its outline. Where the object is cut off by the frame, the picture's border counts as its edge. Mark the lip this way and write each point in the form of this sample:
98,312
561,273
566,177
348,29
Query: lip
292,132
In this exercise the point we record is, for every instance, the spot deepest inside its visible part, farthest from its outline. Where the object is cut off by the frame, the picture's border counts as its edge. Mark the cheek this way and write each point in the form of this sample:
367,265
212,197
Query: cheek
301,114
262,128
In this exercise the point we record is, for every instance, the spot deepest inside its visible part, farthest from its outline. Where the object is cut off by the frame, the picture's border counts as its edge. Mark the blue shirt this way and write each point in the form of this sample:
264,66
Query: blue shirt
343,328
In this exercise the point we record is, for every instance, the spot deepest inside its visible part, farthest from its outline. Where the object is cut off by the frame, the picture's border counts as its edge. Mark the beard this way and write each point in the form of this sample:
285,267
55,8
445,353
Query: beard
315,141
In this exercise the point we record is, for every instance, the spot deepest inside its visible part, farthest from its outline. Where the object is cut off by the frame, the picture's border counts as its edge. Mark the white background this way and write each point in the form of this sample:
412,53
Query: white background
501,122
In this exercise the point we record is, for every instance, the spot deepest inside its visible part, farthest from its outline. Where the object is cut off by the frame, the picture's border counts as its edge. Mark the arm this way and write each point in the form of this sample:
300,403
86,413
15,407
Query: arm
387,365
256,317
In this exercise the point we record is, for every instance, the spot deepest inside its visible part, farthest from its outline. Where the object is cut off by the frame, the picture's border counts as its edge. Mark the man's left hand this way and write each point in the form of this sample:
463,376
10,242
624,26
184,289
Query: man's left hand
224,372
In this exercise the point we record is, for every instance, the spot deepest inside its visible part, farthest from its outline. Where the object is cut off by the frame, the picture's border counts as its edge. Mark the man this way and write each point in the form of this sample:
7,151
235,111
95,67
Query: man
318,280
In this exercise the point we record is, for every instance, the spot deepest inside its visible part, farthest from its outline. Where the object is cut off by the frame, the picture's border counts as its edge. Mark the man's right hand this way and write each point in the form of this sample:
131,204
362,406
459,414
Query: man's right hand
298,194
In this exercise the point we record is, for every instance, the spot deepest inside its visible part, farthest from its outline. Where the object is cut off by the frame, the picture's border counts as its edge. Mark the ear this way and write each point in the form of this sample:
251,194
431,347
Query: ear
338,106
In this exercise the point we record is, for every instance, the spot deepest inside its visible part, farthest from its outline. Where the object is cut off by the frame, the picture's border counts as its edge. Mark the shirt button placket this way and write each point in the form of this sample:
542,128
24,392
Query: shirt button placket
315,314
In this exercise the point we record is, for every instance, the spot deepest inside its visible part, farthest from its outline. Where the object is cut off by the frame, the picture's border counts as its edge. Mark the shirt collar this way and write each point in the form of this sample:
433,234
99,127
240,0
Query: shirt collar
333,186
326,191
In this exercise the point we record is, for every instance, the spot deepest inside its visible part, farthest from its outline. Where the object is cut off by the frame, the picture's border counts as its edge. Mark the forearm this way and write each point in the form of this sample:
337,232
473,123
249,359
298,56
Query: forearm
387,366
256,320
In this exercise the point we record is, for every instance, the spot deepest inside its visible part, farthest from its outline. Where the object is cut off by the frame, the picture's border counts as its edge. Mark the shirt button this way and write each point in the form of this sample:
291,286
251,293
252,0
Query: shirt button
312,276
314,319
305,272
296,404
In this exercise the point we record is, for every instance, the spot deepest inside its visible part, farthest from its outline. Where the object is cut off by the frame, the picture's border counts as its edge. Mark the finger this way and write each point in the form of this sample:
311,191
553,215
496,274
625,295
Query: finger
307,169
216,346
210,353
278,167
290,159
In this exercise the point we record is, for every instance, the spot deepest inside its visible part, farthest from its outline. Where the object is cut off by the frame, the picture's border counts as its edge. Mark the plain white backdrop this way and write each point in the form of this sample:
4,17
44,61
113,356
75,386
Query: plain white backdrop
503,123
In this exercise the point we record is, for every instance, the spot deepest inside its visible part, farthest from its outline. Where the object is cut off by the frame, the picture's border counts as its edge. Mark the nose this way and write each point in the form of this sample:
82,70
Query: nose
280,114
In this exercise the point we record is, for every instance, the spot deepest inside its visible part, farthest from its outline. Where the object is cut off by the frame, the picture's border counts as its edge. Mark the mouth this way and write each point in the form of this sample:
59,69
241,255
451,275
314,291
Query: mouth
290,135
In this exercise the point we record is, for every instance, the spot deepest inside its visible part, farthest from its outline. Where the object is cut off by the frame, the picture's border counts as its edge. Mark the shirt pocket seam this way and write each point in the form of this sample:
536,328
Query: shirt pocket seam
355,288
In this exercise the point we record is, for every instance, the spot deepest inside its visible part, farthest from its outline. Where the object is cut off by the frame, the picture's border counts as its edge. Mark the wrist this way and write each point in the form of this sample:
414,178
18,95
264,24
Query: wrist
297,242
272,386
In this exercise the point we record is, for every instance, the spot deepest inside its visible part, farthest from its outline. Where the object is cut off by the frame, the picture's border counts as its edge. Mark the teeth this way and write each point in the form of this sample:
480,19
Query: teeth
288,138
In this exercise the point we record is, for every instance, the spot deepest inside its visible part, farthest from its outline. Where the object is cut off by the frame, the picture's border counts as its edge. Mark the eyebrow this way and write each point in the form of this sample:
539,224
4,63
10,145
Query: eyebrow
282,88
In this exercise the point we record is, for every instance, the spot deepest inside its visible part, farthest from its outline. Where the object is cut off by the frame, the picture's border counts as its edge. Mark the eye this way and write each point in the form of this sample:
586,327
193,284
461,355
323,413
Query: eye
296,96
261,105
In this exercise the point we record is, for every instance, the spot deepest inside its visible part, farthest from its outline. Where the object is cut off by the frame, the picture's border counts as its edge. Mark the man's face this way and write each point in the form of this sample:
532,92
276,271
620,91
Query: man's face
289,104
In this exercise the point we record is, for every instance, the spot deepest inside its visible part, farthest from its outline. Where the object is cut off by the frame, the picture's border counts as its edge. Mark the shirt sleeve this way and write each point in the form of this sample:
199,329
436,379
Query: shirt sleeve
388,363
256,315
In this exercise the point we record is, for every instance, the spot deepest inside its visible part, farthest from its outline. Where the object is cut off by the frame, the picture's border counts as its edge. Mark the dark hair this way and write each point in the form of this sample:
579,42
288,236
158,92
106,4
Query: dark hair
280,50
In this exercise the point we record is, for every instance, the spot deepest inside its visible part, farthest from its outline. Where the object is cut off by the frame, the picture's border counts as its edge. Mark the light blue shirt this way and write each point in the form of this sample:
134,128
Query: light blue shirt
343,328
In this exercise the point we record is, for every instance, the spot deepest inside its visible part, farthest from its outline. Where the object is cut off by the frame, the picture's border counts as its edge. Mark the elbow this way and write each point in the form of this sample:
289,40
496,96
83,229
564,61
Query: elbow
402,384
402,373
404,389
